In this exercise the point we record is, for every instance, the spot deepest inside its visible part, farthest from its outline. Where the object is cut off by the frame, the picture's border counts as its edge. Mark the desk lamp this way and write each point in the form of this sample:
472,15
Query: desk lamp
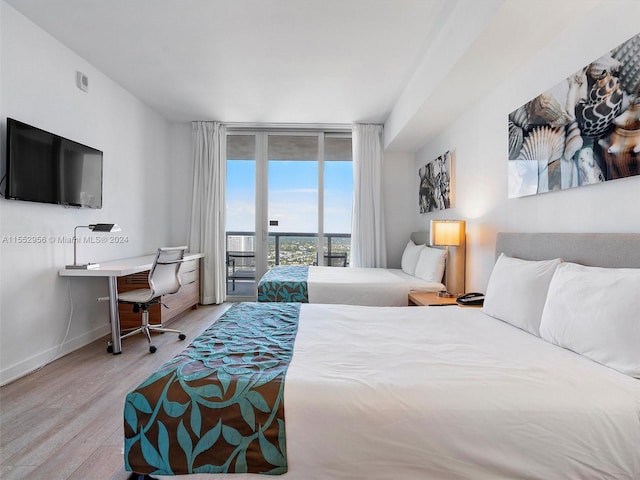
451,233
95,227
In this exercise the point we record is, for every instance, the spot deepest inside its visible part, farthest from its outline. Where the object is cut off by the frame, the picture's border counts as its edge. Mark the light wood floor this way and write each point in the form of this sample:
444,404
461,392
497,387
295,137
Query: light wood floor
65,420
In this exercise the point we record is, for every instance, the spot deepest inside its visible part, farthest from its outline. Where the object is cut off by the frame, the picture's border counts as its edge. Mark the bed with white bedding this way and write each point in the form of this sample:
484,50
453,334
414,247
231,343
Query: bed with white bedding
416,392
350,286
451,393
422,271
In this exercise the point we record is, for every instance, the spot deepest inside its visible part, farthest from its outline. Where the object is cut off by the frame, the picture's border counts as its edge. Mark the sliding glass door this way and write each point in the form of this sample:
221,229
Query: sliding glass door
292,199
241,216
337,199
295,189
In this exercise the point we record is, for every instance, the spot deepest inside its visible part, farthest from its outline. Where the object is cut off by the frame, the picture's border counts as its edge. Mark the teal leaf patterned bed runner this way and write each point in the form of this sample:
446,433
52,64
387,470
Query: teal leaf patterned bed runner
284,283
218,406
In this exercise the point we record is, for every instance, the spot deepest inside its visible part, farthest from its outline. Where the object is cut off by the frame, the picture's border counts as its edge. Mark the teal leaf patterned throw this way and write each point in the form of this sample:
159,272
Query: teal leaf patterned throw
217,407
284,283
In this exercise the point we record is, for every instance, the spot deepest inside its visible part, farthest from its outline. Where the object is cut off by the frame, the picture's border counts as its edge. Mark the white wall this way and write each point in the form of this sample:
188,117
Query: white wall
399,202
479,140
181,160
38,87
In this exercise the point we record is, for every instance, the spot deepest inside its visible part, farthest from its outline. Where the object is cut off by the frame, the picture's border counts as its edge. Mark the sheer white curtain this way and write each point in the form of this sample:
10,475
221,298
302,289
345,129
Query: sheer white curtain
368,244
207,230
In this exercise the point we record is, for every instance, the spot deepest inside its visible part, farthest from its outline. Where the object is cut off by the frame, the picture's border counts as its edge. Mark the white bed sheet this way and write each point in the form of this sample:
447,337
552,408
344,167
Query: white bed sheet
364,286
450,393
440,393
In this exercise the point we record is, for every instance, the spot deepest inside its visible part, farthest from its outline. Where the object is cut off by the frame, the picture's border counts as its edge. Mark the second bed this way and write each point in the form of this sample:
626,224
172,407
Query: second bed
358,286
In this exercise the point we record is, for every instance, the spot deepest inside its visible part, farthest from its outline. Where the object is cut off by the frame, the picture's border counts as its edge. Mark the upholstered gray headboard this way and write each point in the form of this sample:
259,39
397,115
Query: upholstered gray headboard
614,250
420,238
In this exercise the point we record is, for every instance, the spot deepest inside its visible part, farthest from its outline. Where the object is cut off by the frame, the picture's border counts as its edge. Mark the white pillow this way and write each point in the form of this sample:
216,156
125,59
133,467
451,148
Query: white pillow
430,265
410,257
596,312
517,291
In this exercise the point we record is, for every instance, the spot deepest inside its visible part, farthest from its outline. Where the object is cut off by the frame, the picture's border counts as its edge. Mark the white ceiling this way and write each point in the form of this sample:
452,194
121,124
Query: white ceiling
304,61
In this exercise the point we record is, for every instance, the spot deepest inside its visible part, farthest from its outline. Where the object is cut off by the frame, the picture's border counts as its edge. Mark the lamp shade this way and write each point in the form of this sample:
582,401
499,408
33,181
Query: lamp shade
105,227
94,227
450,233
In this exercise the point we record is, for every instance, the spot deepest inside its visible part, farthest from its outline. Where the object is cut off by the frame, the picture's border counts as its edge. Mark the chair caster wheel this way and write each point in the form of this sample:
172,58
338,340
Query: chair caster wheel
152,349
182,336
109,348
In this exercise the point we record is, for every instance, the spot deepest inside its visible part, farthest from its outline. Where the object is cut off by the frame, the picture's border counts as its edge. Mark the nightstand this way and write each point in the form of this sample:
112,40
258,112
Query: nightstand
431,298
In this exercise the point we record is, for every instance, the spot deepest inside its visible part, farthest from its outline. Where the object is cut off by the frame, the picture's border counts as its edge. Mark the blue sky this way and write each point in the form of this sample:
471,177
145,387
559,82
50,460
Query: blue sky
293,195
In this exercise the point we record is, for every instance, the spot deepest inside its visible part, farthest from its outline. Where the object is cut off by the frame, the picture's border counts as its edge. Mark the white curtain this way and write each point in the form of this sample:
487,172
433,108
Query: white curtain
207,230
368,244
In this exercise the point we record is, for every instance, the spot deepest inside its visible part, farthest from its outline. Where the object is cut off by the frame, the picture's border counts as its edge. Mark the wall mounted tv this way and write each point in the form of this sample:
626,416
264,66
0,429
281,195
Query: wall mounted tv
44,167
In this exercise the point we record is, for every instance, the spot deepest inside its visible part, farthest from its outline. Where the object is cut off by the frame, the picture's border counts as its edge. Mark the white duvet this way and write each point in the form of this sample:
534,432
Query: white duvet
450,393
364,286
435,393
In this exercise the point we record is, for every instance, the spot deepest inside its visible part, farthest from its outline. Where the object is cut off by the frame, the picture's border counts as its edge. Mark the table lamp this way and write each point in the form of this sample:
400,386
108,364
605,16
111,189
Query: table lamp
451,233
95,227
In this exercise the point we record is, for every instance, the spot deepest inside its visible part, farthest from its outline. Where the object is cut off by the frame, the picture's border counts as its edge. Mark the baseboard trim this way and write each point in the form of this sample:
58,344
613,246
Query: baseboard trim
41,359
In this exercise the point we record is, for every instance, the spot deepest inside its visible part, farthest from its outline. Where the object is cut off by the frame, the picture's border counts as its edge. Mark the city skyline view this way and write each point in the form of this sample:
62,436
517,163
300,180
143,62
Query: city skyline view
290,250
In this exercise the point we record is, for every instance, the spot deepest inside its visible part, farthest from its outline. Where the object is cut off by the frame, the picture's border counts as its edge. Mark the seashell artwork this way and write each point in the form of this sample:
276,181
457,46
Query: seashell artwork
577,90
568,166
584,130
568,173
523,178
546,146
596,113
621,150
628,54
573,141
630,119
546,109
605,64
520,117
589,171
434,184
515,140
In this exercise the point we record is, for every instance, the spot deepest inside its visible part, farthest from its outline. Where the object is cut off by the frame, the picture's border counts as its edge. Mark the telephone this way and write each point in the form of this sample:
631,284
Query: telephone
470,299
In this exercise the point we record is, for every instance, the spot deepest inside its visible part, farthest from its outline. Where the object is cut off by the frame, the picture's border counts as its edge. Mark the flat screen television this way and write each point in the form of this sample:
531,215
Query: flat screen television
44,167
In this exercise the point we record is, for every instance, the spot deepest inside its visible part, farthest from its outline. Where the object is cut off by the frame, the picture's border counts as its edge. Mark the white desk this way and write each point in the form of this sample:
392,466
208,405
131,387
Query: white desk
112,270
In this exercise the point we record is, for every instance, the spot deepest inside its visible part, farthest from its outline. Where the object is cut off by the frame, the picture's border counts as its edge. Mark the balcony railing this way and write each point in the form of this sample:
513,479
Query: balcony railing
284,248
294,248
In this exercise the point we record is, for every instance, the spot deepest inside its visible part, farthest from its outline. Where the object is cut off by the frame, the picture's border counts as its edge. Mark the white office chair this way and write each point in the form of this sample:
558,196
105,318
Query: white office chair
163,279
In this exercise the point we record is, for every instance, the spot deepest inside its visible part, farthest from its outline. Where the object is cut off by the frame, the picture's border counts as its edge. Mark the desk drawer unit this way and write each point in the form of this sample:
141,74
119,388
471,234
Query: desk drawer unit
184,299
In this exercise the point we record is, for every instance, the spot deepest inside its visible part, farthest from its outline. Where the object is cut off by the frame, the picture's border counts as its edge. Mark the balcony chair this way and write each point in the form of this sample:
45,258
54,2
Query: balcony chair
240,266
164,279
334,260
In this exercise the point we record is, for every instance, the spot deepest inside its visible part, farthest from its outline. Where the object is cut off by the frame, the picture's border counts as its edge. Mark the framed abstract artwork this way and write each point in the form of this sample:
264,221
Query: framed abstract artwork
584,130
435,184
